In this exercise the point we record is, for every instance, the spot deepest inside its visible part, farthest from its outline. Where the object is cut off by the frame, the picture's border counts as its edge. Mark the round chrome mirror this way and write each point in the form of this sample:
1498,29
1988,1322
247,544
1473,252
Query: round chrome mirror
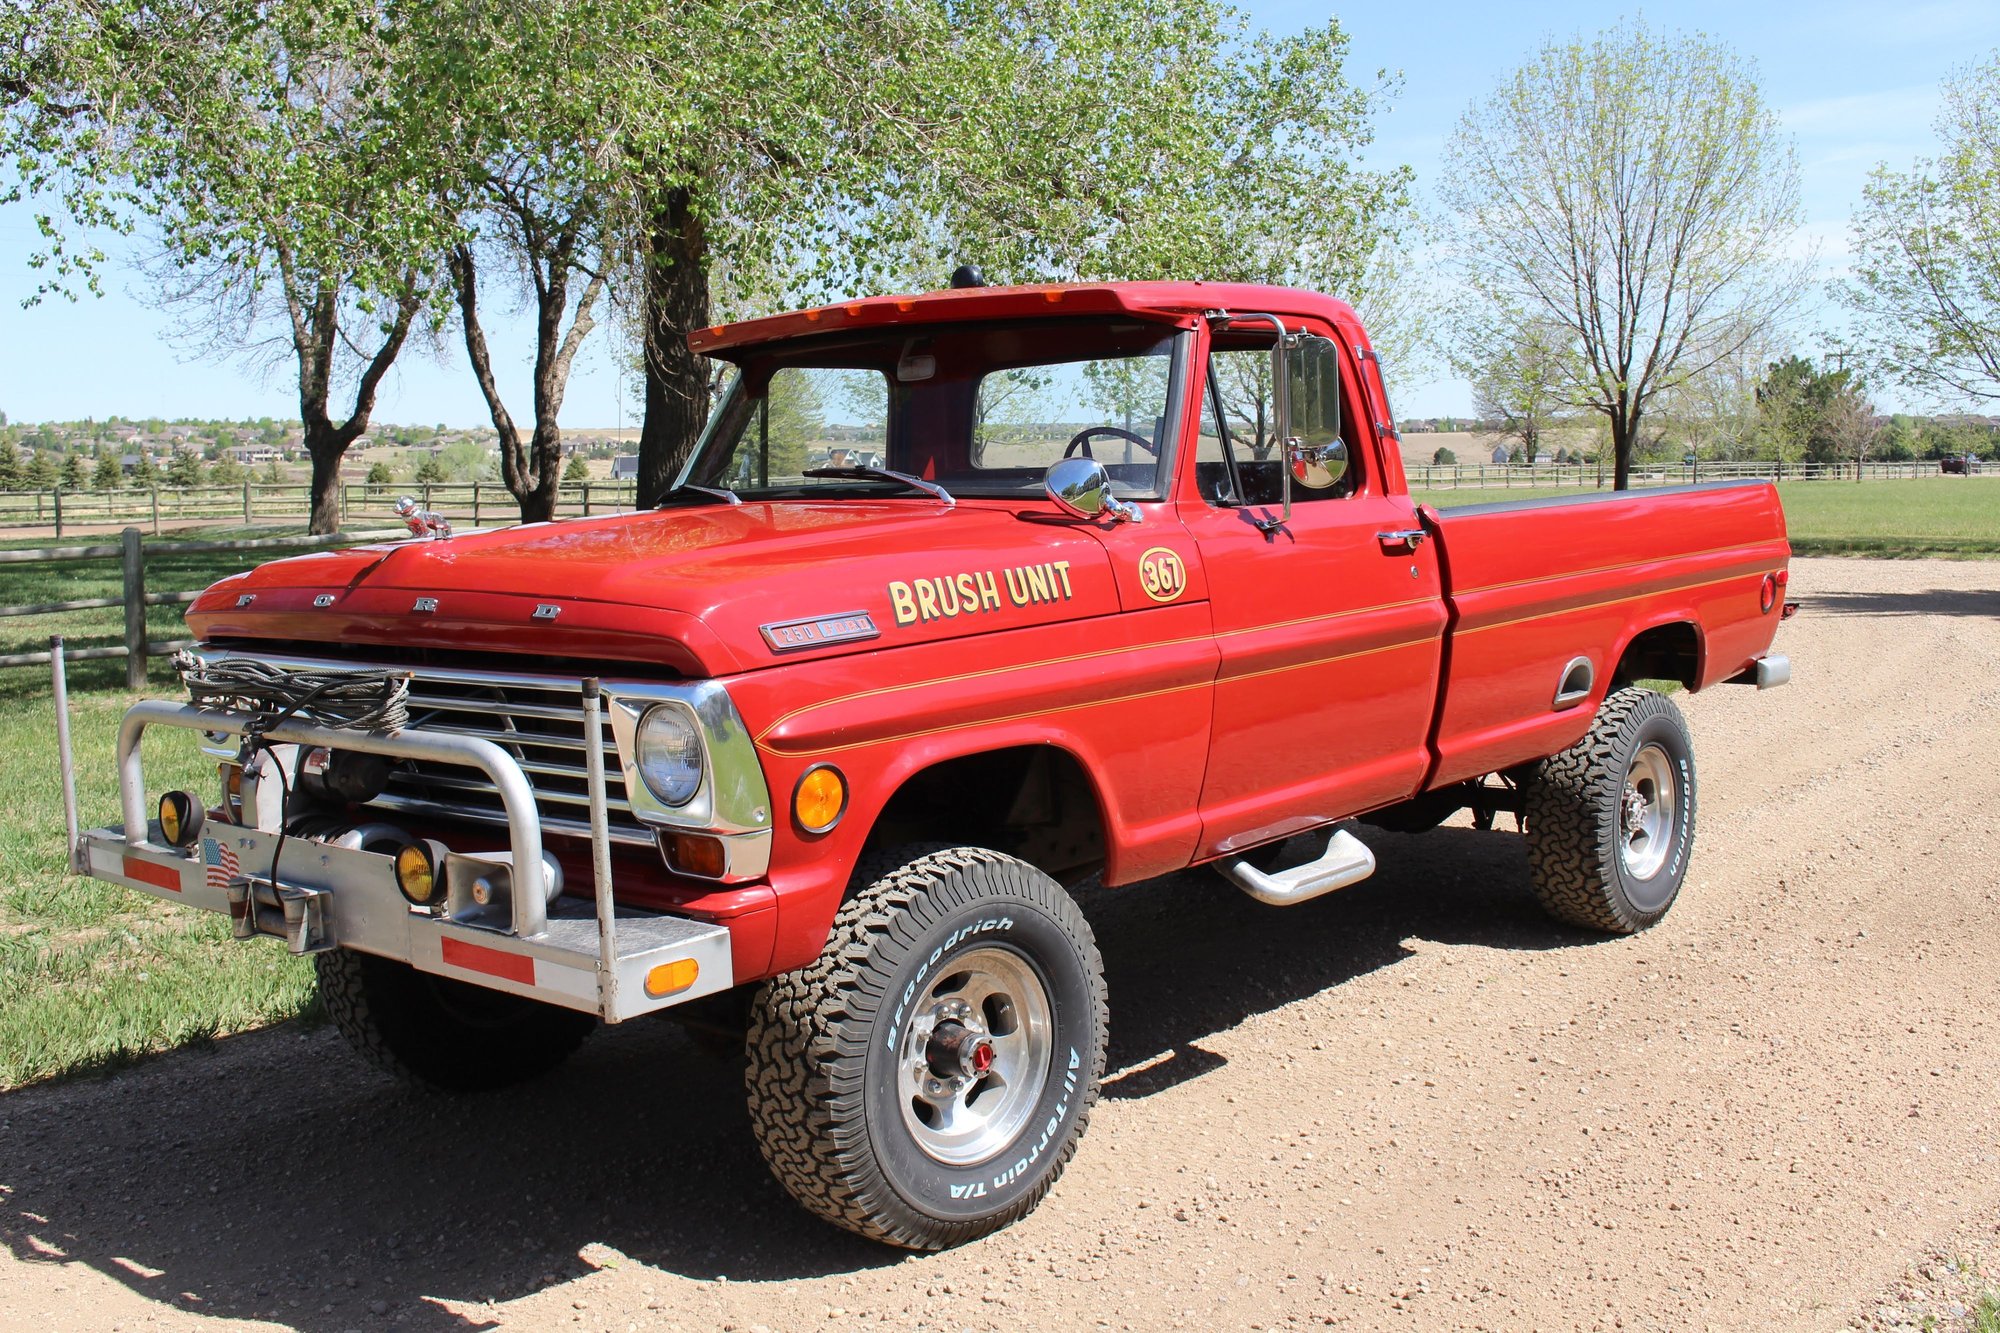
1079,486
1082,488
1318,466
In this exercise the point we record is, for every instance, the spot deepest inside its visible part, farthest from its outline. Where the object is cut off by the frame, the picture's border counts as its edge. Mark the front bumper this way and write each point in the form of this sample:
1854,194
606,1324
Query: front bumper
618,962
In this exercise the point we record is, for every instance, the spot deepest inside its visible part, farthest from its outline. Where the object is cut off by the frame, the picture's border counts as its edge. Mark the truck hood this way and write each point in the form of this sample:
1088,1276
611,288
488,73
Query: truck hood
703,591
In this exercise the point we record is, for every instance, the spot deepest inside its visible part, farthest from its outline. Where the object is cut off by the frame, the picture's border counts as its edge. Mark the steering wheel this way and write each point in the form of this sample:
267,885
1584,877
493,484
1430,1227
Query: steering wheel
1081,440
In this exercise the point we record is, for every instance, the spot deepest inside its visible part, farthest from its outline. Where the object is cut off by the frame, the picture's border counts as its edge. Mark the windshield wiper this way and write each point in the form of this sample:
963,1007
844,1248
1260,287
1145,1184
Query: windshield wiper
715,492
882,474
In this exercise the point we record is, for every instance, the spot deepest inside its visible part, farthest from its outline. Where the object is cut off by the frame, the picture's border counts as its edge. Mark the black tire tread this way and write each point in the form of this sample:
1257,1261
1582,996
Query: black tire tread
352,989
1571,810
809,1032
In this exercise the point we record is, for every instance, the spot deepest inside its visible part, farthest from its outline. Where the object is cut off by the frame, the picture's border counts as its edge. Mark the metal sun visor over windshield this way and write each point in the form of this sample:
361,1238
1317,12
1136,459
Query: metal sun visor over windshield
978,409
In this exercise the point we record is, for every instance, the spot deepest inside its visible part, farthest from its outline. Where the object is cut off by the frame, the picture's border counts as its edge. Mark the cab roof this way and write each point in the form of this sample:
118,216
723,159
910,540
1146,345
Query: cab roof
1181,303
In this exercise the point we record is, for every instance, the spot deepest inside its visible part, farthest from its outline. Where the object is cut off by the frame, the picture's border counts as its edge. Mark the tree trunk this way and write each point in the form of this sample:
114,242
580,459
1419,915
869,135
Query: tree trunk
325,446
1624,433
676,303
537,495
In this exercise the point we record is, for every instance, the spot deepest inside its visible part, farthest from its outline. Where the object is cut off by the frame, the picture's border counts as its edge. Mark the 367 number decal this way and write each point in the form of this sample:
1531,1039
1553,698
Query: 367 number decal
1162,575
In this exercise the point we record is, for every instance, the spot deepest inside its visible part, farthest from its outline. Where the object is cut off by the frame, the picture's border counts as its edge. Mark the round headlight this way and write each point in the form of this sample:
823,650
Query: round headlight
670,754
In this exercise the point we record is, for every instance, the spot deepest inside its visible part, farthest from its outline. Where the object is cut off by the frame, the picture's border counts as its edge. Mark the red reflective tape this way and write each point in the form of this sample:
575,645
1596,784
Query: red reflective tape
159,876
493,962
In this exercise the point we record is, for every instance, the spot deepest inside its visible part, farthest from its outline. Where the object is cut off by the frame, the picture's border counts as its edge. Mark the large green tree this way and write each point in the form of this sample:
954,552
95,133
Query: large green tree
524,101
1924,284
1634,191
246,142
878,145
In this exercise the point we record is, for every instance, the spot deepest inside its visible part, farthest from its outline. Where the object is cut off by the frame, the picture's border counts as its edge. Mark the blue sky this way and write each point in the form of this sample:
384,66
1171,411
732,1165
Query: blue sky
1856,84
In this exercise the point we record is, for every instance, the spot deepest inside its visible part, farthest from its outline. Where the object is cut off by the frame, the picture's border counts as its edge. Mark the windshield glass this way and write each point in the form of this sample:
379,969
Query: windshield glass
980,409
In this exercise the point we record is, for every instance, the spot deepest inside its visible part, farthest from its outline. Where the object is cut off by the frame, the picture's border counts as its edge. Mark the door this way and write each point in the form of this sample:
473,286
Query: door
1330,633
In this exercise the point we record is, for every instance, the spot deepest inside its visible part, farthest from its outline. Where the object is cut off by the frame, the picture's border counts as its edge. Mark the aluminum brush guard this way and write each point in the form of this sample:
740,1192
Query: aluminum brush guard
597,958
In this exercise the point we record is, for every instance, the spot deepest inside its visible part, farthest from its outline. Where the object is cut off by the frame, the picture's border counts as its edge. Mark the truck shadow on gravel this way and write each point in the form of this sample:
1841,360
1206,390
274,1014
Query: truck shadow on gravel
274,1177
1932,602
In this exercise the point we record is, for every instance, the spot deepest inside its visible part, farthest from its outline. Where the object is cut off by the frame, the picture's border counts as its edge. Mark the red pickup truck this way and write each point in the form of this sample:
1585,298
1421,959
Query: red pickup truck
961,599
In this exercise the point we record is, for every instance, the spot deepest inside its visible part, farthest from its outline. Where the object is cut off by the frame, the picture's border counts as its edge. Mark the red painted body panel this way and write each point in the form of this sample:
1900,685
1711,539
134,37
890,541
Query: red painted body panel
1218,686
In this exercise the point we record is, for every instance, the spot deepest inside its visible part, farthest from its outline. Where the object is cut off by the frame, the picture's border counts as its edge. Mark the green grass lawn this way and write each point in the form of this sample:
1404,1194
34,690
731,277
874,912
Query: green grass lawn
93,975
1931,516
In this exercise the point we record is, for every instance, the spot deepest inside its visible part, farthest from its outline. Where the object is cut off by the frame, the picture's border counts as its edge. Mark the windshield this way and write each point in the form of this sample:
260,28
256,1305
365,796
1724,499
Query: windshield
980,409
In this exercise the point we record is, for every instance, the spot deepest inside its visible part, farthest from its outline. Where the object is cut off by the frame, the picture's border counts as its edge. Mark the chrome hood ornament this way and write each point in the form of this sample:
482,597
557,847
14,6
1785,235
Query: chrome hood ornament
421,522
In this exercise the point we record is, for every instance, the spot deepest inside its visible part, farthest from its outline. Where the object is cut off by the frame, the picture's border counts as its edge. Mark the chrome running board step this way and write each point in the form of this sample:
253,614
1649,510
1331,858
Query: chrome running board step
1345,861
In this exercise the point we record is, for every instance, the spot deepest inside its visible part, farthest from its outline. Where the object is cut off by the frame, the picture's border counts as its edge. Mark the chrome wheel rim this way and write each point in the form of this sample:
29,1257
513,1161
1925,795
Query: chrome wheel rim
973,1064
1646,812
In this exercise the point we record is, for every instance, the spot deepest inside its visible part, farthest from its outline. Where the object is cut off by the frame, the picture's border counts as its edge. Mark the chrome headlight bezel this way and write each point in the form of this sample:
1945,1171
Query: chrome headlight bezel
732,797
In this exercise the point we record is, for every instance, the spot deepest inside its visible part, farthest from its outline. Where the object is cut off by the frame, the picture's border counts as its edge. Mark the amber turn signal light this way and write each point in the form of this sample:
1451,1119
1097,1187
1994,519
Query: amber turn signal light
696,854
820,799
417,876
180,819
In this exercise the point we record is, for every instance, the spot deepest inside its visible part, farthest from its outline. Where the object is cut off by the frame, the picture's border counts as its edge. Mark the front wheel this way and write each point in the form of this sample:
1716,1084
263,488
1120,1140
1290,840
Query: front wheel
1610,821
442,1034
926,1080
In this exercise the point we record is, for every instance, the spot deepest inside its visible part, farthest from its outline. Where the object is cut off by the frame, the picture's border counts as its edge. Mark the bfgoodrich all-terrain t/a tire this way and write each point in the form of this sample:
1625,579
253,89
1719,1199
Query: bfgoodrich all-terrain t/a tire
926,1080
1610,821
438,1033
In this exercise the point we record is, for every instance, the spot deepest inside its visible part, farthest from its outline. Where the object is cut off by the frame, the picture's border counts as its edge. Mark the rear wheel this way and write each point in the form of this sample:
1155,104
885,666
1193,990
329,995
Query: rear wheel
439,1033
926,1080
1610,821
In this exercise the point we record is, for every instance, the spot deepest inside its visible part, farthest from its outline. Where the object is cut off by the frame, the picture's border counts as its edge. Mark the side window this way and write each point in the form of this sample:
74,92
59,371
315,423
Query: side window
1239,427
810,418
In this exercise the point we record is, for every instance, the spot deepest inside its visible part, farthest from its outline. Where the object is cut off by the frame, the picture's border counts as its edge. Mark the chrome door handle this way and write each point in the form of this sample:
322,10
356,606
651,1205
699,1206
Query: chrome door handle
1410,537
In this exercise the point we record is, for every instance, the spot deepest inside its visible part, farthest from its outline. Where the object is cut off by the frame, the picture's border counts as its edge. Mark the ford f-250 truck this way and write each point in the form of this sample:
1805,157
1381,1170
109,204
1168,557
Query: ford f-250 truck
961,599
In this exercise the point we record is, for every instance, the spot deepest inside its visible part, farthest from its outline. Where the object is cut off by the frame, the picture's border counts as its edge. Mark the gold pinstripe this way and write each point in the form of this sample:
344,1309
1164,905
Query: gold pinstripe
1608,601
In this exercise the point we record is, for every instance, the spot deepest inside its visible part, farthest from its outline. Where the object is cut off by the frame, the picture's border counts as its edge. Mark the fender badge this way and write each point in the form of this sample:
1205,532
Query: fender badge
1161,574
324,599
425,605
245,600
547,612
790,636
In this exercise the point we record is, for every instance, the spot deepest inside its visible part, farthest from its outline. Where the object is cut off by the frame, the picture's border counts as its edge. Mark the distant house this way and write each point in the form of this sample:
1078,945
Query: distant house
252,455
1500,454
625,467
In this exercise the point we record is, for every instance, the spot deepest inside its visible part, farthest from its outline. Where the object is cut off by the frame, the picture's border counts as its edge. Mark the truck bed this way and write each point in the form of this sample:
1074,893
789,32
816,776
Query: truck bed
1670,582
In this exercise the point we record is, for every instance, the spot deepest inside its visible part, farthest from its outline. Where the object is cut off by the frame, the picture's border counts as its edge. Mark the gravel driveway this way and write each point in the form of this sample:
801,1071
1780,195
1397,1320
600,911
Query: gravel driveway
1411,1104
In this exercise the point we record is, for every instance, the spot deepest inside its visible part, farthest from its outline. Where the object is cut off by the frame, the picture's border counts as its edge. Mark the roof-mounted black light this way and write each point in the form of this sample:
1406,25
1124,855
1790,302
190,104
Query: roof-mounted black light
967,275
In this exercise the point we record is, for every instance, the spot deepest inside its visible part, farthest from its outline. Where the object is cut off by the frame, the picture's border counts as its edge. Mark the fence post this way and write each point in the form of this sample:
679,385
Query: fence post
155,493
475,504
135,610
586,499
246,504
58,495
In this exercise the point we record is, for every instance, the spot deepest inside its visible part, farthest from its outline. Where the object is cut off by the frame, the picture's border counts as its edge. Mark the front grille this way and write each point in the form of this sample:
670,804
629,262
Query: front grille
538,720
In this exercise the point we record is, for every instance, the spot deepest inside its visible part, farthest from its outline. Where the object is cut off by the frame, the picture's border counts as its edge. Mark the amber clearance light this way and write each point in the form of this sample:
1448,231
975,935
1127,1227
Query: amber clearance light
820,799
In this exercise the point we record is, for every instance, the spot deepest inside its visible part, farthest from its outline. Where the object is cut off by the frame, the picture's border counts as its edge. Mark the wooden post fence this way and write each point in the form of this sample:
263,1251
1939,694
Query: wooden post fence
135,611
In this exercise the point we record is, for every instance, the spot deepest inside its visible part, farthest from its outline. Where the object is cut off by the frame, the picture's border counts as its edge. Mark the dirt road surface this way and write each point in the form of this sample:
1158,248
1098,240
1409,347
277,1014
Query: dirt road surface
1412,1104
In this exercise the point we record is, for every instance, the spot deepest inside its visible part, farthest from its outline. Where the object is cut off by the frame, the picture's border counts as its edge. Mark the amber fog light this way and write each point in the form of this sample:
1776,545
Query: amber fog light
417,876
180,818
820,799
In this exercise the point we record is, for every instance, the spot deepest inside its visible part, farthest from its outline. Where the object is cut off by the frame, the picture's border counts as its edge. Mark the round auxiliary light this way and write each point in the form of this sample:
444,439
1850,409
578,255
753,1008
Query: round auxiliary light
670,754
180,818
820,799
417,876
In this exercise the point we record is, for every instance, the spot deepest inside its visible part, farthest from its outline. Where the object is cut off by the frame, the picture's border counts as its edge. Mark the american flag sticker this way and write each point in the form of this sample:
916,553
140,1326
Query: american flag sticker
220,859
